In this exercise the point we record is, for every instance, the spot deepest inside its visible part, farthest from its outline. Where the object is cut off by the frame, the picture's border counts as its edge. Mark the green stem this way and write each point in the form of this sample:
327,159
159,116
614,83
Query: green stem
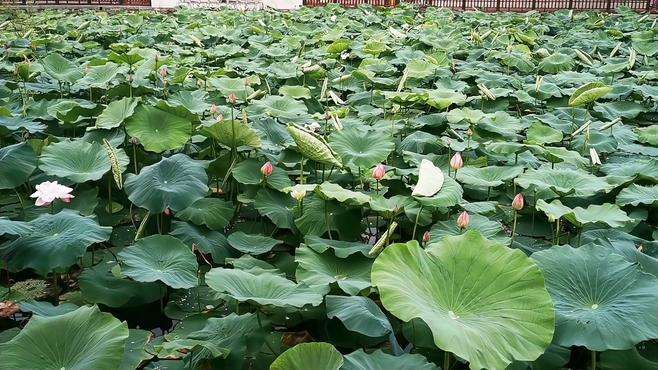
301,171
413,234
110,208
446,360
593,360
514,228
135,157
326,220
557,232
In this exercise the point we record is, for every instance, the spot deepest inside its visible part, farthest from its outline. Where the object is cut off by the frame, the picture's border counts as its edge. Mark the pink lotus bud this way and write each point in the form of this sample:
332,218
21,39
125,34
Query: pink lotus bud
456,162
232,98
167,211
426,237
214,109
463,220
469,132
517,203
267,169
379,172
164,72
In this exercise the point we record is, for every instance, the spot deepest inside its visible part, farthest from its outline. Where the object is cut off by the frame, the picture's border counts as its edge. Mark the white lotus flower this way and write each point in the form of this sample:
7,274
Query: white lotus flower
430,179
298,194
48,191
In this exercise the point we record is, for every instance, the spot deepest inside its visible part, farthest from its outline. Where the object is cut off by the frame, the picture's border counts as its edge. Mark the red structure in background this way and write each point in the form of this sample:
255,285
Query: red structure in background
505,5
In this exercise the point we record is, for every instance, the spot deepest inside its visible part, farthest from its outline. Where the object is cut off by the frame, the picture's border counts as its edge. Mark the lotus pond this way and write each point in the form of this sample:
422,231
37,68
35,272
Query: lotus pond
328,189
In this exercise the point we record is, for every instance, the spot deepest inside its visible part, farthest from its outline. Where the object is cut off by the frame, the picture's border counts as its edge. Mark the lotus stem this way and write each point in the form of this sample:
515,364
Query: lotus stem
135,157
446,360
110,208
301,171
557,232
413,234
514,228
593,360
326,220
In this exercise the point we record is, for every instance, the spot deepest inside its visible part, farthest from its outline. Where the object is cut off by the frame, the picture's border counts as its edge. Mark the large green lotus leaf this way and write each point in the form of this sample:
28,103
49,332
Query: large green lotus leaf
100,76
562,182
319,216
553,210
351,274
465,115
617,109
206,240
632,166
263,289
418,68
305,356
556,62
378,360
442,98
61,68
342,249
607,213
253,265
17,162
648,135
233,134
56,241
184,303
280,107
158,130
116,113
638,194
44,308
490,229
295,92
501,123
212,212
361,148
248,172
98,285
490,176
252,243
589,93
76,160
484,302
390,206
238,333
80,340
328,190
278,207
541,134
194,101
358,314
313,147
450,195
12,227
136,352
601,300
163,258
625,360
626,245
175,182
236,86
